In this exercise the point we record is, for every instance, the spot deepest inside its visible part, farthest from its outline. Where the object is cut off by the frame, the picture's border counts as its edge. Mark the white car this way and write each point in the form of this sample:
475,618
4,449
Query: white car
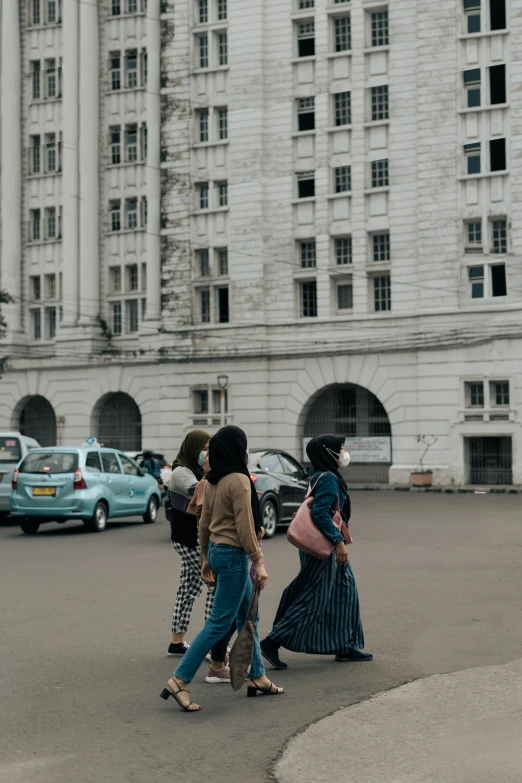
166,470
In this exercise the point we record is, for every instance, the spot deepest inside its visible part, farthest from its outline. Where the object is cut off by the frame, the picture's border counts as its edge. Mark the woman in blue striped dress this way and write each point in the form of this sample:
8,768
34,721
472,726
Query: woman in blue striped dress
319,611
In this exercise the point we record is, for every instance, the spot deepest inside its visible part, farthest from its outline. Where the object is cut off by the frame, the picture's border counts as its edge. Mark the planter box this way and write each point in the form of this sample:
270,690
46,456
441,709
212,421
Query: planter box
424,479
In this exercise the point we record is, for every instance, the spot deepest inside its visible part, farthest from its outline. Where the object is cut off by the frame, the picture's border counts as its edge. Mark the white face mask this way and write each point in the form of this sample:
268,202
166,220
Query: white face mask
344,459
202,457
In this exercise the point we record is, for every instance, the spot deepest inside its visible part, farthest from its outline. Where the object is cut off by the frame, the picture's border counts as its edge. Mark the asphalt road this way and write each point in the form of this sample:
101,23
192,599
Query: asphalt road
85,622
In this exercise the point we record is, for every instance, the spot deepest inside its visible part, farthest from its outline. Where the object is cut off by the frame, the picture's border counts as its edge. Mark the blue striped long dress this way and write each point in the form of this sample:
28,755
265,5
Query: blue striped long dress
319,611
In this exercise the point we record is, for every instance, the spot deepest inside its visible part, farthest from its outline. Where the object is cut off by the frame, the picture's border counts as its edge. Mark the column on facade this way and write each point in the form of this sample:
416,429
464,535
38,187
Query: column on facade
11,162
89,206
70,179
153,161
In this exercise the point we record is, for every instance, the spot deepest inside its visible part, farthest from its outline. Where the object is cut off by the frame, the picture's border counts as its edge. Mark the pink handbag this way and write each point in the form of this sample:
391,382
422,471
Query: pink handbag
307,537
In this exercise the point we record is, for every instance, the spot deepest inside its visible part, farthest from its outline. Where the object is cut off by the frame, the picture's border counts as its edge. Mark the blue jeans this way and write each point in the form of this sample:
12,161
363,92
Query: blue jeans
231,566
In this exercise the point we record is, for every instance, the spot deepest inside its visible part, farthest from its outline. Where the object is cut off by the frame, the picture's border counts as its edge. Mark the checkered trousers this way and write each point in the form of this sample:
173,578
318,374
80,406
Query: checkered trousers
190,588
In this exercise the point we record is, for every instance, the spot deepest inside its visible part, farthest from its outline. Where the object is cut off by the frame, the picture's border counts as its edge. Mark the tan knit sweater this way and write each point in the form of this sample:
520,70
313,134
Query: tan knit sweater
226,517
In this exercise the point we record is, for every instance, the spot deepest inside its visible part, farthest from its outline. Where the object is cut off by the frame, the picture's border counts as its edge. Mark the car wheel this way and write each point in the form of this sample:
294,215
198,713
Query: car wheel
30,527
269,518
98,522
151,513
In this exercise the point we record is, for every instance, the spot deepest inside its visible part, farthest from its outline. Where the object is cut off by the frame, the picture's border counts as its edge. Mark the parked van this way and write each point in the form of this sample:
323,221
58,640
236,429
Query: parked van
13,448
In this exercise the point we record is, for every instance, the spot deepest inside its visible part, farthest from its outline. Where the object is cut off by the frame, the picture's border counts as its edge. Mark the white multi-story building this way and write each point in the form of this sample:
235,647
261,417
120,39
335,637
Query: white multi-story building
315,198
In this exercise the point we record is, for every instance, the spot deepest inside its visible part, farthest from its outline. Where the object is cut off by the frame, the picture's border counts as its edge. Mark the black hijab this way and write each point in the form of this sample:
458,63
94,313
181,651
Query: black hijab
227,453
323,452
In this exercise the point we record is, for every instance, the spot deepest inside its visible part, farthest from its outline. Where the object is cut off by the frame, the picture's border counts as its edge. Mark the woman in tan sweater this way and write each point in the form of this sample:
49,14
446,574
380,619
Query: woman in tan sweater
229,542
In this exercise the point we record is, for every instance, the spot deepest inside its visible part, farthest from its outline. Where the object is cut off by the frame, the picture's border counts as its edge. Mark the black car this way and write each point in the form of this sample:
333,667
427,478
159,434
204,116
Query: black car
281,484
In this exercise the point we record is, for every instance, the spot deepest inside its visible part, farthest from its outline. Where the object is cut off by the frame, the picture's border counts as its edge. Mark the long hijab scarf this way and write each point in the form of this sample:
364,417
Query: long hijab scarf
190,450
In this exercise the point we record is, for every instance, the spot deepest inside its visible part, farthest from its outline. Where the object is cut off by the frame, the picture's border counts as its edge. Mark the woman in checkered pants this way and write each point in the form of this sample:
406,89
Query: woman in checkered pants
187,472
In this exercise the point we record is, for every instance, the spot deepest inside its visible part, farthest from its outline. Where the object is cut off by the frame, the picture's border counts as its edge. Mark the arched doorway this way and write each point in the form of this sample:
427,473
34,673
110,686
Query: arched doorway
117,422
353,411
37,420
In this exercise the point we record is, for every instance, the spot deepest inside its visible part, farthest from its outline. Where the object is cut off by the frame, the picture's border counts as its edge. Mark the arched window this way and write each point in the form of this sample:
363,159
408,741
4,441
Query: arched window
37,420
117,422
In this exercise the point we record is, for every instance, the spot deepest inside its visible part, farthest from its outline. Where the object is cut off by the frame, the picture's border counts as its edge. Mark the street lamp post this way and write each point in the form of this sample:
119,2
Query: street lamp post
223,382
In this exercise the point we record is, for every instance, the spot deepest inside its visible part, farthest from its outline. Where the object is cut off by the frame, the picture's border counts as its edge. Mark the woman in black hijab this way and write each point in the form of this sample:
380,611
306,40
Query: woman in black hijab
319,611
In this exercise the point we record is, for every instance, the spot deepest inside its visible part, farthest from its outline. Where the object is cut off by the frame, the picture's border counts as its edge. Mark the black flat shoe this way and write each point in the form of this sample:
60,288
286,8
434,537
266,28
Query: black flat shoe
271,654
354,655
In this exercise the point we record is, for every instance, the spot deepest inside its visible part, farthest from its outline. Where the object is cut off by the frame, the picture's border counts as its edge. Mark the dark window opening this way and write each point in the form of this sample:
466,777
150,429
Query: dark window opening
497,151
306,121
306,39
309,300
472,85
497,83
306,187
223,309
497,14
498,280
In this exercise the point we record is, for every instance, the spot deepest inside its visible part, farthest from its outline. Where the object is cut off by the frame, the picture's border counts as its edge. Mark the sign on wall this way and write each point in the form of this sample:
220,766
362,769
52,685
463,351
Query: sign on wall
363,449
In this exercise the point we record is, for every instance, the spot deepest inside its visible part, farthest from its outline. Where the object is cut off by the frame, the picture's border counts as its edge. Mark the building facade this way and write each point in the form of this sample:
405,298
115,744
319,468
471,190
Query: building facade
315,198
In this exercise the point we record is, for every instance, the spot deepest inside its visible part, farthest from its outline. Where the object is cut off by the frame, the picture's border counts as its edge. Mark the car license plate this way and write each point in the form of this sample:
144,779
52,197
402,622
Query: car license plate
44,490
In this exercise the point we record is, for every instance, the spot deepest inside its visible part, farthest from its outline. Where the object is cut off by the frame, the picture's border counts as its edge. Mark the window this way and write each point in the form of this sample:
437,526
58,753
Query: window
270,463
36,288
309,299
144,277
131,143
132,315
35,80
380,103
380,173
37,324
144,210
216,403
51,12
223,306
200,401
474,394
116,7
50,145
34,161
132,277
307,254
499,394
92,462
129,468
116,319
473,236
381,247
51,83
497,152
343,179
115,147
50,286
202,190
221,10
472,13
306,184
305,114
35,12
223,48
497,14
472,87
131,207
50,323
35,224
202,118
497,84
342,30
132,69
203,263
203,11
110,462
144,141
382,293
343,250
343,111
345,296
379,23
306,39
115,69
222,255
304,4
132,6
115,212
222,124
472,155
204,305
203,51
222,193
476,281
50,223
498,280
114,279
499,236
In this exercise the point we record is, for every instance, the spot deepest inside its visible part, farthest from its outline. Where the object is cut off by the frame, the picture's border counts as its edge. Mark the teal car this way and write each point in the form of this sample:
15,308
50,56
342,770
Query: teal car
92,484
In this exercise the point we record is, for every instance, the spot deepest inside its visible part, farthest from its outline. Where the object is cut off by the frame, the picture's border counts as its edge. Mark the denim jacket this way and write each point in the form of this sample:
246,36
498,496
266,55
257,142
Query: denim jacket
325,492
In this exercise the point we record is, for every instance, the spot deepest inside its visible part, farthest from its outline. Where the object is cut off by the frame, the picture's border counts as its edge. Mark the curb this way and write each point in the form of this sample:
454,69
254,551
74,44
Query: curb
501,490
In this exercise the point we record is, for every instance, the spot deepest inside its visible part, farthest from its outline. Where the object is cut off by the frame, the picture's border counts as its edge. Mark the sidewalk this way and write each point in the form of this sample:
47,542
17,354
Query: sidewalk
464,727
